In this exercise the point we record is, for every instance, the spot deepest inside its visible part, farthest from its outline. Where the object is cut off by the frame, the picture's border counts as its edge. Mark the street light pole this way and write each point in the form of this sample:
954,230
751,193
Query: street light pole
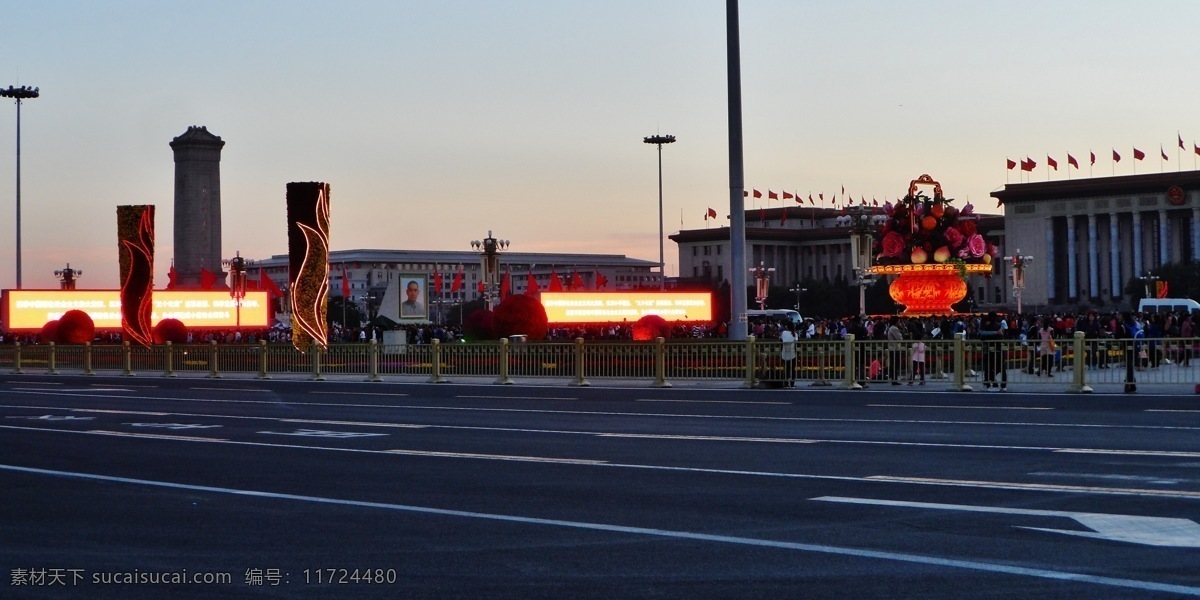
21,93
237,287
490,249
67,276
660,140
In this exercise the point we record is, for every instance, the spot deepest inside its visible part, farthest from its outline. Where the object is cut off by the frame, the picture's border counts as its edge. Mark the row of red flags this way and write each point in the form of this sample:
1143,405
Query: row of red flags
208,279
1029,164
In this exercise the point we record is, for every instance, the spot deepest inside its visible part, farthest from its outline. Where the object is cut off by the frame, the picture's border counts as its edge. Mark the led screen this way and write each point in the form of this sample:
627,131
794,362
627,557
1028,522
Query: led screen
28,310
617,307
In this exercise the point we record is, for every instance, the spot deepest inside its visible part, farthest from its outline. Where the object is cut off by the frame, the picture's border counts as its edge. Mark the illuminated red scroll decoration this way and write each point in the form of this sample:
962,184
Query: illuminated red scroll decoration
135,242
308,257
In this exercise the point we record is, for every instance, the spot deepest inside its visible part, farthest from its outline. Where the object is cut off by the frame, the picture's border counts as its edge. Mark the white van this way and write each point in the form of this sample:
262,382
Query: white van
1168,305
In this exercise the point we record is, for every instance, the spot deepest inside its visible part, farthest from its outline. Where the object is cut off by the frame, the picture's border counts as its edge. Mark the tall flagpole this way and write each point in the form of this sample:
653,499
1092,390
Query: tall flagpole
737,182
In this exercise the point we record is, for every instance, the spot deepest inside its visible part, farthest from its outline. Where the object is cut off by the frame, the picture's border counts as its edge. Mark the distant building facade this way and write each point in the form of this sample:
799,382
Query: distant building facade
1091,237
807,244
370,271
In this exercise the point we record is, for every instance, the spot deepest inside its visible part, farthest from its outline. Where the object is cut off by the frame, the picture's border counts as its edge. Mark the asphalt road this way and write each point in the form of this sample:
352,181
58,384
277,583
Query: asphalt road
289,489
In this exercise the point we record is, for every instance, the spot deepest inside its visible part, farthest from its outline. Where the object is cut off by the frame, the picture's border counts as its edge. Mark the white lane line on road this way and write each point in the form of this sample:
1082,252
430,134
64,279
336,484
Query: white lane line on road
356,393
503,457
353,423
1142,478
706,438
970,407
644,531
156,436
1167,532
1040,487
119,412
735,472
227,389
1170,410
1129,452
708,401
514,398
639,414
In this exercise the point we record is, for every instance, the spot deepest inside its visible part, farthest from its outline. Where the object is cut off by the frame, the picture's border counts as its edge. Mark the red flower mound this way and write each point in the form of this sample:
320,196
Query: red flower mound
520,314
170,330
75,327
478,326
650,327
49,332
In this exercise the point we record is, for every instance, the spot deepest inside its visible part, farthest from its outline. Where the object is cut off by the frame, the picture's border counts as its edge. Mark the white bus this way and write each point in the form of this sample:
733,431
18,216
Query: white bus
1167,305
781,315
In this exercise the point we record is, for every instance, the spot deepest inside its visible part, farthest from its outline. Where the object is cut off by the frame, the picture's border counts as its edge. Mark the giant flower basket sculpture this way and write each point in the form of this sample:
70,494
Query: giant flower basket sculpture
932,247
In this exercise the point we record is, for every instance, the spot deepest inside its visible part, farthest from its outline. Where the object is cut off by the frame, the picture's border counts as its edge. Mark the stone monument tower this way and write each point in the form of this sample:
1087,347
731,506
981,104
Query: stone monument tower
197,207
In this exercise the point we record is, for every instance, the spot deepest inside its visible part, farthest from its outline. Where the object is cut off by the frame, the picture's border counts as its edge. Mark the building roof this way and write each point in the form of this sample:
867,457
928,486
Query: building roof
1091,187
454,257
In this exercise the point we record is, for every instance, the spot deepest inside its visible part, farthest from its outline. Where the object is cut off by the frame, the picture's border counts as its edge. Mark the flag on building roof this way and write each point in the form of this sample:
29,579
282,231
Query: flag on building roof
1050,162
1138,154
345,283
576,281
772,195
1163,152
757,194
1010,163
555,282
531,284
457,284
268,284
1116,157
1071,161
601,280
711,214
437,281
505,284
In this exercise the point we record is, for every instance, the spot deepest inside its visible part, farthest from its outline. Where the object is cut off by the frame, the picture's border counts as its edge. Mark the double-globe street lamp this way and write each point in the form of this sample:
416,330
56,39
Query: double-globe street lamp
19,94
237,284
660,140
67,276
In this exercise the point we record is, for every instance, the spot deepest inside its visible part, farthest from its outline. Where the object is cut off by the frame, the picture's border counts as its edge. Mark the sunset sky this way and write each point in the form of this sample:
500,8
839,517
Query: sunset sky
435,122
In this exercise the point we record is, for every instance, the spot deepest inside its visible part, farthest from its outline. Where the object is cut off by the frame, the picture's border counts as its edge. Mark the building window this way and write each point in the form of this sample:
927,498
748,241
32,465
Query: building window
718,250
695,250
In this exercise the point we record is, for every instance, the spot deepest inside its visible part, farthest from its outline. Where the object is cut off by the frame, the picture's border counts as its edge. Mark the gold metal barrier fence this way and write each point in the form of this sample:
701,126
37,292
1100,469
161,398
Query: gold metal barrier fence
1073,364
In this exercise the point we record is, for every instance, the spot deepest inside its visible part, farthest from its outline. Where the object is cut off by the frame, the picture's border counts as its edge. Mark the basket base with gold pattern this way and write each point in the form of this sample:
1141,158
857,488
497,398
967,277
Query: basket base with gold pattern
929,289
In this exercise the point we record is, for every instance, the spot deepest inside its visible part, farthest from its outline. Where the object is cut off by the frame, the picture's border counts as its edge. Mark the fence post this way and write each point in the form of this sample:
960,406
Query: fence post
316,363
169,369
750,366
212,360
435,375
960,361
822,349
1079,365
52,370
660,363
374,350
87,359
580,380
851,382
17,358
502,377
127,359
262,360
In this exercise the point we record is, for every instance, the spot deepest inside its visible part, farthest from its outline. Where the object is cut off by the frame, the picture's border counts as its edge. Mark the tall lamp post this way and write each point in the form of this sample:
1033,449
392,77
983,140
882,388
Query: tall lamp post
490,248
762,282
798,290
237,284
19,94
1019,262
660,140
67,276
861,220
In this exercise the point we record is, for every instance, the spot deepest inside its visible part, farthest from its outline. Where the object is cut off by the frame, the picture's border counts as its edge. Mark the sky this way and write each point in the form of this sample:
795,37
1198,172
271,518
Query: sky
437,121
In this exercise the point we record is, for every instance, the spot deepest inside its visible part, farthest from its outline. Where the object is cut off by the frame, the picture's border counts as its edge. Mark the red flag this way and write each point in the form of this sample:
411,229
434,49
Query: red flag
1197,147
1050,162
810,200
171,277
799,200
531,284
1116,157
757,194
787,196
268,284
458,281
1010,163
772,195
345,283
875,201
1181,146
821,196
437,281
555,282
601,280
1162,289
576,281
1028,164
479,286
1163,152
1138,154
1093,157
745,194
711,214
1071,161
505,285
207,279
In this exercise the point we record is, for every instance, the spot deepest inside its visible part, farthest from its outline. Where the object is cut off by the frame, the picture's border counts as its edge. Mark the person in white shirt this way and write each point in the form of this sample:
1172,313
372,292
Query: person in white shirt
788,355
